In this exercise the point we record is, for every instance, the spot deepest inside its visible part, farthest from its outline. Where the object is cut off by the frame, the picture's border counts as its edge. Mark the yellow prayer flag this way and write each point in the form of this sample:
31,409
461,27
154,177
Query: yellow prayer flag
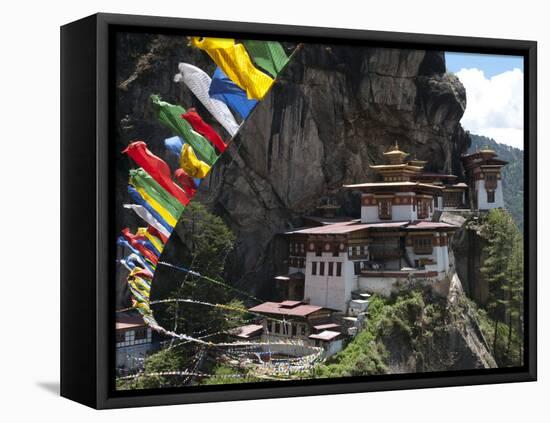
165,214
234,61
191,164
155,241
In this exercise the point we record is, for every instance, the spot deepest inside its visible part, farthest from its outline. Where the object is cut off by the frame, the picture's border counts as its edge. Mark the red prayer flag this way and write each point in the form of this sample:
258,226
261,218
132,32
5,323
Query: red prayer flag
157,168
204,129
153,231
186,182
144,273
133,240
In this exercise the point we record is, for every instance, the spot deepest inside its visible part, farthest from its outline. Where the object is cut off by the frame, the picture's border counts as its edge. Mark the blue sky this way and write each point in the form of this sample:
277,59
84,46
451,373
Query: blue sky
490,64
494,94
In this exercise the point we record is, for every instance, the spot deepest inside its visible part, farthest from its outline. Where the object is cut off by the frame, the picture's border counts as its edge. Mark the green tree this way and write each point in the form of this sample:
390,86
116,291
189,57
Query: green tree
502,268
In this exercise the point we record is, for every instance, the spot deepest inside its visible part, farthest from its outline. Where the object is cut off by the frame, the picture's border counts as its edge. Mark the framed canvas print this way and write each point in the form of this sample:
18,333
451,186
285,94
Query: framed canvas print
254,211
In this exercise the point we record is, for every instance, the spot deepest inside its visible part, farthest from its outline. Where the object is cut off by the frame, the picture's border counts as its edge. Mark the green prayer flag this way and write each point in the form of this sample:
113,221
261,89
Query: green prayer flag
170,116
141,179
269,55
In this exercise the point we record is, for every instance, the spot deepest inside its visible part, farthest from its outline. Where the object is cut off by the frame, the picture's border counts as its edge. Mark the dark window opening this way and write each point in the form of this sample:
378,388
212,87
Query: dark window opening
314,268
322,268
331,269
338,269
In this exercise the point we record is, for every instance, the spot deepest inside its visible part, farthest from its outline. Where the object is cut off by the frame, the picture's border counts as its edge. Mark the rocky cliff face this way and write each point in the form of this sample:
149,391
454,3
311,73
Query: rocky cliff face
335,110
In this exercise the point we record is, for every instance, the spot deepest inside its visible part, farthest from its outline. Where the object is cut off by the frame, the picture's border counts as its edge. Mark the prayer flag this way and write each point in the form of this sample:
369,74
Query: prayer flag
156,168
136,197
204,129
170,115
199,82
174,145
148,218
141,179
268,55
191,164
186,182
231,94
233,59
136,245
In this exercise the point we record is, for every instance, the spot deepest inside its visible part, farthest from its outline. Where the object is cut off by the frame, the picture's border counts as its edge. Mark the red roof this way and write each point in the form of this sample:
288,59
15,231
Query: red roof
344,228
392,184
129,322
247,331
326,335
300,310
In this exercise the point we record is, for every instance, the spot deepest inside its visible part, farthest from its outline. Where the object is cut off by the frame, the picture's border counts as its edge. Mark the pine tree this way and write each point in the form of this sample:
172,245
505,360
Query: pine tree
502,268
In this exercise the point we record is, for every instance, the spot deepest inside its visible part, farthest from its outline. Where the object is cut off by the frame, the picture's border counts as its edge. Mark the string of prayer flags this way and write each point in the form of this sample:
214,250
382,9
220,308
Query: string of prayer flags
234,60
138,246
142,181
159,208
136,258
186,182
193,166
204,129
223,89
148,218
157,168
153,239
268,55
170,116
199,82
137,198
145,274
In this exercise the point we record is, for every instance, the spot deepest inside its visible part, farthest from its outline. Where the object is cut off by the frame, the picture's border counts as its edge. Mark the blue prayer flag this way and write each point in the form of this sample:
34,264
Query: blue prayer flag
223,89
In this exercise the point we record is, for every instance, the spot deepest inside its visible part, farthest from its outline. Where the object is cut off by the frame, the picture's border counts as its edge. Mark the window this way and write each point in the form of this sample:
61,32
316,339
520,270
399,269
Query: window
318,251
357,267
141,333
322,268
384,208
331,268
423,245
339,269
490,181
302,330
335,252
120,337
490,196
294,329
423,209
314,268
277,327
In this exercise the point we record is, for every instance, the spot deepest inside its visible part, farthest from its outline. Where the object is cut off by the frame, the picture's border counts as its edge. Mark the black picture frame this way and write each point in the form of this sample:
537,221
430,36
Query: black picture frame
86,169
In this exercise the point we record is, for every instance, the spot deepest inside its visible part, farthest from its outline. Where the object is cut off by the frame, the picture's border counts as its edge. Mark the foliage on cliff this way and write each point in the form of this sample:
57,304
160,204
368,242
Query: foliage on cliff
406,327
512,174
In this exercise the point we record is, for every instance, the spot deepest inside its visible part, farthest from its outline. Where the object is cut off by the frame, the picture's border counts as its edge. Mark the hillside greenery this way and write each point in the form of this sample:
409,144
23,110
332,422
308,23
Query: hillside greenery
512,174
503,269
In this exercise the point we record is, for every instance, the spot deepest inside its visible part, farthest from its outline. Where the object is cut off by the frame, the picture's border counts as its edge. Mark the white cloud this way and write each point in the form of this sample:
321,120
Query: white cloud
494,105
